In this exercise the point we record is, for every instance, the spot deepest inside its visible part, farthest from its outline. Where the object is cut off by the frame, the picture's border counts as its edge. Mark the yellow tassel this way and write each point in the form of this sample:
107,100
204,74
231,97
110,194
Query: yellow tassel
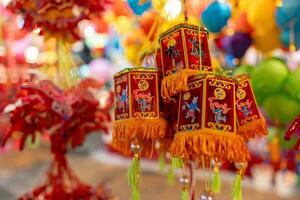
209,143
144,129
253,129
175,83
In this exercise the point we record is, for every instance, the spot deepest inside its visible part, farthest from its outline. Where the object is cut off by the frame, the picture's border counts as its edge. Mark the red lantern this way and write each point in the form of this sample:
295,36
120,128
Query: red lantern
137,112
137,122
184,52
207,122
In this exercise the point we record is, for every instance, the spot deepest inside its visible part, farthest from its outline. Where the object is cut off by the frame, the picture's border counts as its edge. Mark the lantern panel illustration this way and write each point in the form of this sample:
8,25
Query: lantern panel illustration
121,97
144,95
219,105
250,122
190,107
136,94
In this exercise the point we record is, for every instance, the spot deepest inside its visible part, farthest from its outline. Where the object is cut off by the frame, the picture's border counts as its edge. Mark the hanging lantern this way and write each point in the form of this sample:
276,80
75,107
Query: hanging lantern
138,123
206,129
184,52
206,122
250,122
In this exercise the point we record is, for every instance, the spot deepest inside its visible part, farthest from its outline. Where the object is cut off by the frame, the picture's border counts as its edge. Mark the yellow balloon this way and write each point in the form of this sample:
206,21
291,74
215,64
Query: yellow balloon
261,14
266,41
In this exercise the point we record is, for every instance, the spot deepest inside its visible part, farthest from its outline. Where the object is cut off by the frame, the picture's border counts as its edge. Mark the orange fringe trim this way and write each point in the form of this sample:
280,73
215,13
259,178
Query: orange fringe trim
143,129
148,147
253,129
123,147
175,83
209,143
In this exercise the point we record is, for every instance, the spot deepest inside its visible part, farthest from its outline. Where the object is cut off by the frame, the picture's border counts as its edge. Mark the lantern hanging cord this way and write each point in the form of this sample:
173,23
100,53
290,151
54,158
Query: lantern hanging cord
292,46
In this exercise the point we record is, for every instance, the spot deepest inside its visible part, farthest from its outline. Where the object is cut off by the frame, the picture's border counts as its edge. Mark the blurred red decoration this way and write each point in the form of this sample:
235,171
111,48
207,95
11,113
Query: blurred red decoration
54,17
292,129
68,117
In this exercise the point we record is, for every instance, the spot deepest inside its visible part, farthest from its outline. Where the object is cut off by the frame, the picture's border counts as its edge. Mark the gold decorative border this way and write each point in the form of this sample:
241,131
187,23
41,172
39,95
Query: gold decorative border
189,127
183,25
225,127
135,69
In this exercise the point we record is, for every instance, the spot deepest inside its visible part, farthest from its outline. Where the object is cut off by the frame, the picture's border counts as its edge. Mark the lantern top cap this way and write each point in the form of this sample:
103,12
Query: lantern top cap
184,25
241,77
213,75
135,69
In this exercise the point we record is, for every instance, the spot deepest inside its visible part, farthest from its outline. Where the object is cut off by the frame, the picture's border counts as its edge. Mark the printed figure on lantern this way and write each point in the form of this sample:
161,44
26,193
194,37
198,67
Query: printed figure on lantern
122,99
244,107
144,100
190,107
173,53
220,110
195,47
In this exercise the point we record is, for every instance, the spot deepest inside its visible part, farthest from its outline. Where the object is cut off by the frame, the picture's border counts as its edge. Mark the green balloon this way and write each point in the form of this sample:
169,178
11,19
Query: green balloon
269,76
293,84
243,69
259,97
281,108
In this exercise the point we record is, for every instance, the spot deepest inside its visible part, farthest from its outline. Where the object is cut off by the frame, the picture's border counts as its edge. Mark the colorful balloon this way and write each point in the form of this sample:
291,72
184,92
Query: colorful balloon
288,13
216,15
291,8
237,44
139,6
293,84
266,42
281,108
269,76
261,14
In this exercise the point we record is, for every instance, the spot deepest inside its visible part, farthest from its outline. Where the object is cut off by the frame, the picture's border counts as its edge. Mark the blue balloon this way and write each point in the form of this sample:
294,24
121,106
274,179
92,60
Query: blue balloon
216,15
285,38
290,10
282,19
138,6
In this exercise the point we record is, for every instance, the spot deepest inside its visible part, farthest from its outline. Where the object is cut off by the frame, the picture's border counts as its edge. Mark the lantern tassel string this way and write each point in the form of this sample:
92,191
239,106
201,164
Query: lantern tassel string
216,182
133,177
237,187
177,163
171,177
162,162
